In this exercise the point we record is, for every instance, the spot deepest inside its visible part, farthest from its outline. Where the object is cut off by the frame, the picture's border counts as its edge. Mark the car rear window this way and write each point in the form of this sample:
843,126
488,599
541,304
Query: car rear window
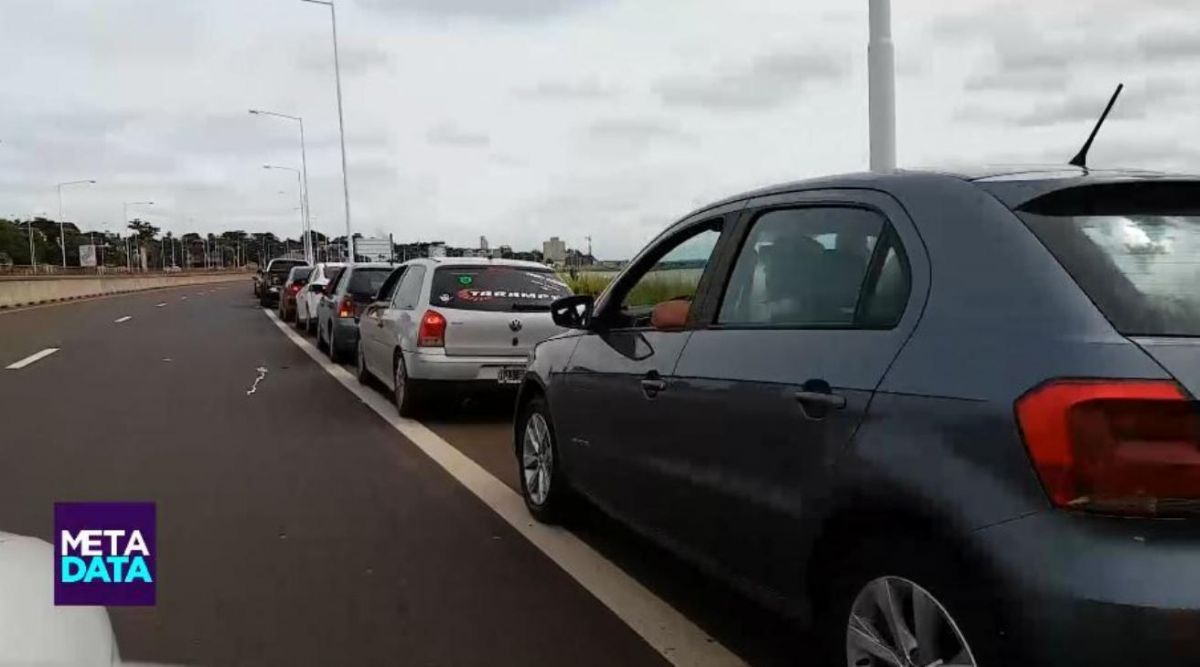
1134,248
301,275
366,282
496,288
283,267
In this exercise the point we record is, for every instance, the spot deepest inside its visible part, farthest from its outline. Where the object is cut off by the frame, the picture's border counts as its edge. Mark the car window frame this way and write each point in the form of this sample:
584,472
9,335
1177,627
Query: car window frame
331,288
897,223
726,215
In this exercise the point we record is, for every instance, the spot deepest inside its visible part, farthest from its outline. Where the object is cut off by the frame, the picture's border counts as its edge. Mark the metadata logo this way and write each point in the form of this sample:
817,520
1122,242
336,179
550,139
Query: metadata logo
104,554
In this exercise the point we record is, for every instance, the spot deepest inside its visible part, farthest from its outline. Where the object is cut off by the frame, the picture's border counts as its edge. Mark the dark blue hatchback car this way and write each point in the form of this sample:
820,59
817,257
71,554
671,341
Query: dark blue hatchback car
949,419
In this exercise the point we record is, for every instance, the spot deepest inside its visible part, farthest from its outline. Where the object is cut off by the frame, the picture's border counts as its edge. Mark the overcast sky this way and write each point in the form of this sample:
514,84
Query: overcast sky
522,119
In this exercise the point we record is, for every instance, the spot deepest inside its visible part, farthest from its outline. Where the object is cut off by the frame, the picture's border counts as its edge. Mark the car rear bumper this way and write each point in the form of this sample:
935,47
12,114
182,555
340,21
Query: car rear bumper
345,333
1093,590
438,366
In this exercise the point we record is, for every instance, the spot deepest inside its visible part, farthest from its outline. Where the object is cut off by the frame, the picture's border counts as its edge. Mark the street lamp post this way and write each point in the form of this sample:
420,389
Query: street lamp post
62,238
304,177
881,81
299,184
128,245
337,73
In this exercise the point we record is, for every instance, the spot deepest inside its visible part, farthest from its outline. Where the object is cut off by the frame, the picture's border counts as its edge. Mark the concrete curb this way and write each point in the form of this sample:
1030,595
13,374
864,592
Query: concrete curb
183,282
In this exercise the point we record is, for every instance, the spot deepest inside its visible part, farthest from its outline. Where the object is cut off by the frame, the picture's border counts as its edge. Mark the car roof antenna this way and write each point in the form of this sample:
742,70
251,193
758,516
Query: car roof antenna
1080,159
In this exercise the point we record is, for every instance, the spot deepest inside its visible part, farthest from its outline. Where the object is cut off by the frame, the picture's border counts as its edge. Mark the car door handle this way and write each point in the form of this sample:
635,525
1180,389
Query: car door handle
651,387
816,404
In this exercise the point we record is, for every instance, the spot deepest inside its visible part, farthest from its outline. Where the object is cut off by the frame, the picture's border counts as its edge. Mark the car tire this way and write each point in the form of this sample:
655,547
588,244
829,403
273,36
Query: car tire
544,487
361,372
320,338
331,346
407,394
907,569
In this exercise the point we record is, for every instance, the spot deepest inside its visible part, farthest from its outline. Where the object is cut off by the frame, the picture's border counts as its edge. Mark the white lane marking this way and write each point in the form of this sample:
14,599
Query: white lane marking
123,319
184,297
669,632
16,366
159,305
262,373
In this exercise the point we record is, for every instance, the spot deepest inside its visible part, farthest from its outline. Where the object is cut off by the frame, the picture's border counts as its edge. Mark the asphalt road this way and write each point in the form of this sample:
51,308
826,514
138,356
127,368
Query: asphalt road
295,526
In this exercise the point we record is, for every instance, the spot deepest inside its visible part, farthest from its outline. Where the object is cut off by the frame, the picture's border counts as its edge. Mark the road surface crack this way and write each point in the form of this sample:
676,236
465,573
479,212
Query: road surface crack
262,373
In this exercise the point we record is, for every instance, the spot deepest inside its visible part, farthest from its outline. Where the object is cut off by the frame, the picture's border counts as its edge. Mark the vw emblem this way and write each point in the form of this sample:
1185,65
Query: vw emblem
515,325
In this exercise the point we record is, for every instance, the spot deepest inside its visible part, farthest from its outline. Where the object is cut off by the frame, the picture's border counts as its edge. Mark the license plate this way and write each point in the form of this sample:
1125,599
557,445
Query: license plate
510,375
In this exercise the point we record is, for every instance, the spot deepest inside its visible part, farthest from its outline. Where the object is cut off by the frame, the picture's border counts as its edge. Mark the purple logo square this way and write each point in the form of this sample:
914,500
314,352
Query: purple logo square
104,554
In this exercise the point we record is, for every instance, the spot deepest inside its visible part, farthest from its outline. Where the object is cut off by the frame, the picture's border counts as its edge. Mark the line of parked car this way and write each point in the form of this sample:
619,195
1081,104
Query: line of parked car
427,329
946,419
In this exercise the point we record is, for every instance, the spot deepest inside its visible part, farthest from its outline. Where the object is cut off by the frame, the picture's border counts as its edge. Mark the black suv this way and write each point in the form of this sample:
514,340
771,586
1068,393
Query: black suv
269,281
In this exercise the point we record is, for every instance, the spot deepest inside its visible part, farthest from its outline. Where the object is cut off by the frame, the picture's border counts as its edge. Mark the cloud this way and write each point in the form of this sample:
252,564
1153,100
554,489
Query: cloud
768,81
449,134
587,89
636,130
354,60
502,10
1031,82
1170,45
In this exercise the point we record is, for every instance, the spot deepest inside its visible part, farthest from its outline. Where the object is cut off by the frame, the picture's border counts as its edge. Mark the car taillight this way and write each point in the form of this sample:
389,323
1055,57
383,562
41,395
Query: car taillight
346,307
294,288
433,330
1115,446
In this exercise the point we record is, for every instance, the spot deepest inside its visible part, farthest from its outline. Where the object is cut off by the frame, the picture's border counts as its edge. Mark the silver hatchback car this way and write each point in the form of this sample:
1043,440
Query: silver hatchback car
460,323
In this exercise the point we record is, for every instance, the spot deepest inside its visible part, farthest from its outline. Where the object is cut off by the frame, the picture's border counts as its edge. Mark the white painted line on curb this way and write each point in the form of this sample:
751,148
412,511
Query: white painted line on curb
669,632
123,319
31,359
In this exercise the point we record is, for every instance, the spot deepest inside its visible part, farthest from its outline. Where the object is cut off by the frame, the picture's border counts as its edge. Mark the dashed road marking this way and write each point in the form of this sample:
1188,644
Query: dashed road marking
159,305
18,365
664,628
123,319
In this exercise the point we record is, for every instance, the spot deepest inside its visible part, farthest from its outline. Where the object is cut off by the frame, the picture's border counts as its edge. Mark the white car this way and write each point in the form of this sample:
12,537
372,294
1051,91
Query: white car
462,323
310,294
33,631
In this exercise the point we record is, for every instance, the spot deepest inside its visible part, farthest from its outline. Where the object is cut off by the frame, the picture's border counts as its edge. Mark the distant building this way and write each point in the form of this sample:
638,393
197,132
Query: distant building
483,244
554,250
506,251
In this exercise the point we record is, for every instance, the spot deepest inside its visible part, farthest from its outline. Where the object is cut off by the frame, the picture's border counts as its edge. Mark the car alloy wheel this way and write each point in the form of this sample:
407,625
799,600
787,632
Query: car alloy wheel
897,623
537,459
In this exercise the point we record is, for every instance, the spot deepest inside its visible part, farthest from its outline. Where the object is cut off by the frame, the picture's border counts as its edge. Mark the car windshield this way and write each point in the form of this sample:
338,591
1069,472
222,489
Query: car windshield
1133,248
496,288
301,275
364,283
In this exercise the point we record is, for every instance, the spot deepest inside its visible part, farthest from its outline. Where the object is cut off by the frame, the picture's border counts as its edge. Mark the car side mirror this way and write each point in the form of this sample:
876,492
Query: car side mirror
670,315
573,312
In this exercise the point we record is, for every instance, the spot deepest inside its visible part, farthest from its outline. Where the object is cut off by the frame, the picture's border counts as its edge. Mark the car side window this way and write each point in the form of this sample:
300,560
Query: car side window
388,288
408,293
334,280
806,267
887,293
675,276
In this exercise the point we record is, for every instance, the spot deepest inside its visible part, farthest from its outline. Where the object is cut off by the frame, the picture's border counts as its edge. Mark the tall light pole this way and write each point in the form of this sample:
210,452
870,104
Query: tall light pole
128,250
882,87
299,184
337,72
62,238
308,254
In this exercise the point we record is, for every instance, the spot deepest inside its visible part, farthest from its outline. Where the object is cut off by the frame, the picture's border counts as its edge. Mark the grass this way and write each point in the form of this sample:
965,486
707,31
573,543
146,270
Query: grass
651,290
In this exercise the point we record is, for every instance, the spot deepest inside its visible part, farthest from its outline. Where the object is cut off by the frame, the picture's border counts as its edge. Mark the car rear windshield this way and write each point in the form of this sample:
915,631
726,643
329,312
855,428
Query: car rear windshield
284,267
301,275
496,288
1134,248
366,282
